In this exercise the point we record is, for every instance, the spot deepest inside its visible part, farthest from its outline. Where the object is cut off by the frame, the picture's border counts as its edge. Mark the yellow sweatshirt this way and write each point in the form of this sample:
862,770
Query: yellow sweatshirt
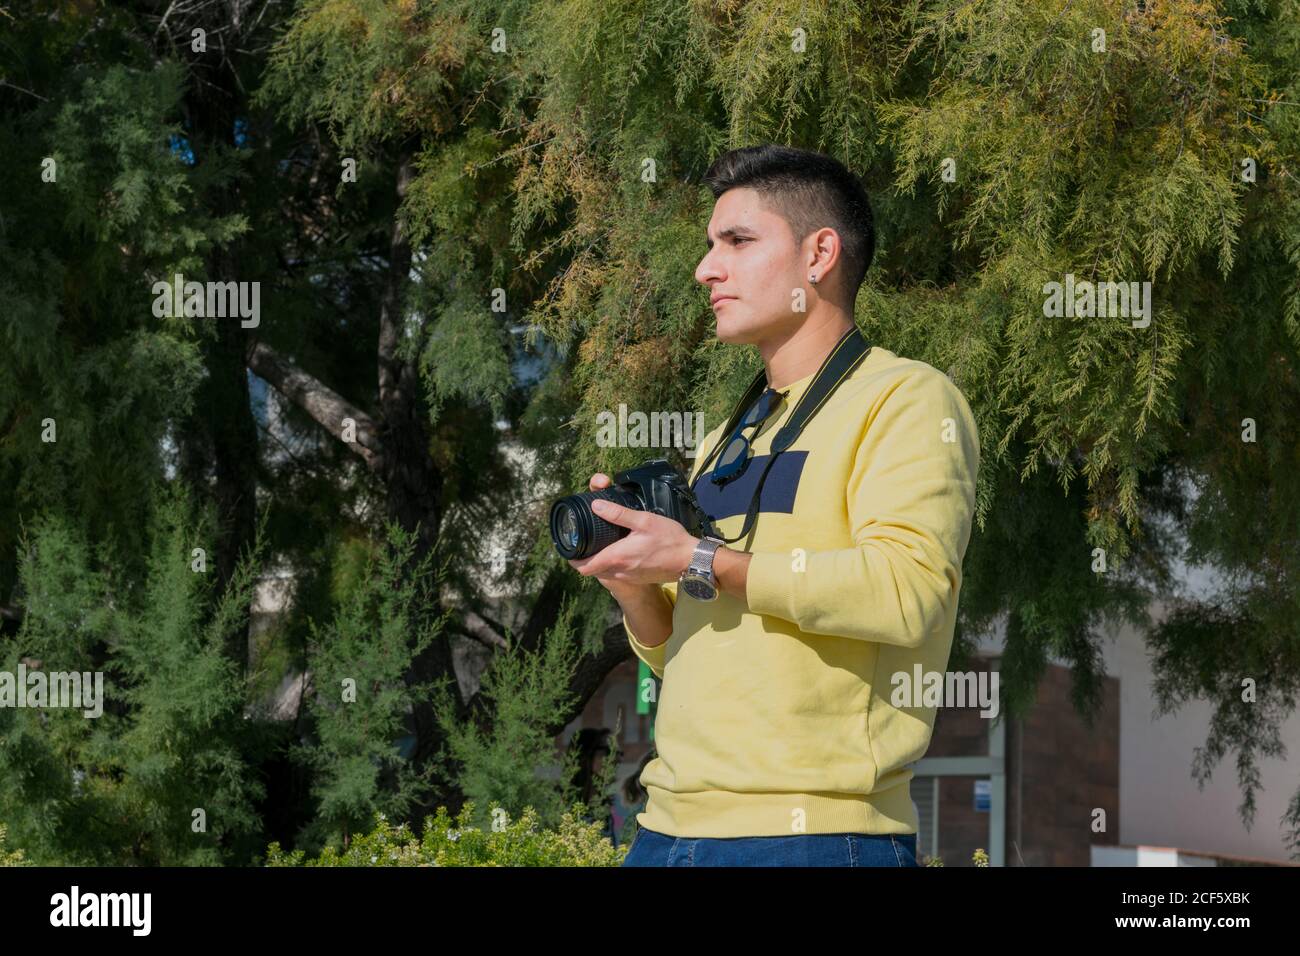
775,718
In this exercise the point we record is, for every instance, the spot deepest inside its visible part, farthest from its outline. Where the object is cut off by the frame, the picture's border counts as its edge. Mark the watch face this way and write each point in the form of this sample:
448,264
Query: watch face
699,588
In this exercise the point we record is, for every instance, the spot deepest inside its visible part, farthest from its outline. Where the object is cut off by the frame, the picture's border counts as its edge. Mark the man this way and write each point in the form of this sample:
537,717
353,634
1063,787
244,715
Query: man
778,742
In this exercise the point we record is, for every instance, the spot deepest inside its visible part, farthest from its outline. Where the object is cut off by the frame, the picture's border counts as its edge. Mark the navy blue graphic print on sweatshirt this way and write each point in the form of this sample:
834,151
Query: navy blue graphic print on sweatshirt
733,498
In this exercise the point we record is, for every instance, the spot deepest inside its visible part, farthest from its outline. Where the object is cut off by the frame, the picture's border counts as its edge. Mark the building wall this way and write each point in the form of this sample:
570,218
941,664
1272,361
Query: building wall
1163,806
1063,777
1057,770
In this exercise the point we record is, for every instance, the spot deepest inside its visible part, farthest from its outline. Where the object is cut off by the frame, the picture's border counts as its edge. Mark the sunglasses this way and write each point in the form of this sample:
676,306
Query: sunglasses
735,456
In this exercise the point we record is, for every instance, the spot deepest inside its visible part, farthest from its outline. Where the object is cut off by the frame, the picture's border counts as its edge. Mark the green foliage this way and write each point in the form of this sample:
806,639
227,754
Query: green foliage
358,697
124,787
481,371
458,842
136,192
368,69
10,857
523,695
79,345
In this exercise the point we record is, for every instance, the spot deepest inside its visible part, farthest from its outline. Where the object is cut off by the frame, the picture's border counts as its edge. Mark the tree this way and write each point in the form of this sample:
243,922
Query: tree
161,775
412,182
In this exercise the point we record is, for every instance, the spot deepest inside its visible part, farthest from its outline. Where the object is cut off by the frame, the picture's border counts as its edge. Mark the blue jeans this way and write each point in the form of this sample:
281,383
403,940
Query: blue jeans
651,848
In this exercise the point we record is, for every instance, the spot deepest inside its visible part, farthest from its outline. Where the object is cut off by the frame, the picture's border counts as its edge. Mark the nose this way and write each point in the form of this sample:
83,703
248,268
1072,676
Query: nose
708,270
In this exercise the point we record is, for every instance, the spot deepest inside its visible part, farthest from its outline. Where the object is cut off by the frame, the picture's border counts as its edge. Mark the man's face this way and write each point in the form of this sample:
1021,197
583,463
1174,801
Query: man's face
752,268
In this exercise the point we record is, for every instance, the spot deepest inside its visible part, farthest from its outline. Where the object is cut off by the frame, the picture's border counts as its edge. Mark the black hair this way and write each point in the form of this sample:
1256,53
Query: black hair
810,191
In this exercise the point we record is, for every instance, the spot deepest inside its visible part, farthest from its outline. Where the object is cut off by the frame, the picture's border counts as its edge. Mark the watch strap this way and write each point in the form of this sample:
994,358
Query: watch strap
703,555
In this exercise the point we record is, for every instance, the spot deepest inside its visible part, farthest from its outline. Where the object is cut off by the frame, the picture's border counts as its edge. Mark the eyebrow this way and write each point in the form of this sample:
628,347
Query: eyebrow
726,233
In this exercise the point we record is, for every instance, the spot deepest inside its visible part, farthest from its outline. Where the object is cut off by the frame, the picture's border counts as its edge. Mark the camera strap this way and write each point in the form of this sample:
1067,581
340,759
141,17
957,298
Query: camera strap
847,355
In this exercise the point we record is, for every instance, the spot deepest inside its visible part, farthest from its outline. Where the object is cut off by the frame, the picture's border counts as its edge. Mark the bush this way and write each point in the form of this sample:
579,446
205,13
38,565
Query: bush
10,857
448,842
978,858
359,700
127,787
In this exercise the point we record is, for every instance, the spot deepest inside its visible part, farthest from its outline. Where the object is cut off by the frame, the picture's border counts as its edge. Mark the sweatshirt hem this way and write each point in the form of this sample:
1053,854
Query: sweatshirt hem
722,813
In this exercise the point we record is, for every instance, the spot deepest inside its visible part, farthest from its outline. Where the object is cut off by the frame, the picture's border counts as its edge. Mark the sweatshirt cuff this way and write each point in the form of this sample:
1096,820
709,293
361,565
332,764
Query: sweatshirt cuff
770,585
653,656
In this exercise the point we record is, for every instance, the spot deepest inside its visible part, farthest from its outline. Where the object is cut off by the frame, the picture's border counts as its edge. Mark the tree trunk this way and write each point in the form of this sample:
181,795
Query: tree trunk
414,485
223,414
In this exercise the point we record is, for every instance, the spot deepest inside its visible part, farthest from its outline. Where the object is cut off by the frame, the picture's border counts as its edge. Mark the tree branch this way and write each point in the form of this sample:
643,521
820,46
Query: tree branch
478,632
486,629
316,398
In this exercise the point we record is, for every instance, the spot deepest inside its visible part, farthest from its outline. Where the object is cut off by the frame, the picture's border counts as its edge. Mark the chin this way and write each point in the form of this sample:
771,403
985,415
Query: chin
729,328
735,331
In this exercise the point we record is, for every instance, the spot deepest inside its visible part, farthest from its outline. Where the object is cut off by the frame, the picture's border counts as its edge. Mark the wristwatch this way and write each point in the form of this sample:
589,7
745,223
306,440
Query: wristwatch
698,580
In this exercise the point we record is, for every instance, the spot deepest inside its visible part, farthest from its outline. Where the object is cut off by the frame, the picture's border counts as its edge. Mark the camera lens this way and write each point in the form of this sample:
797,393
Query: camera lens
568,529
578,532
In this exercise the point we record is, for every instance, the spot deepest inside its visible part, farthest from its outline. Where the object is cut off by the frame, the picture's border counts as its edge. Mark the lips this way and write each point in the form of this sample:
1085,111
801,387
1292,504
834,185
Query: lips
716,300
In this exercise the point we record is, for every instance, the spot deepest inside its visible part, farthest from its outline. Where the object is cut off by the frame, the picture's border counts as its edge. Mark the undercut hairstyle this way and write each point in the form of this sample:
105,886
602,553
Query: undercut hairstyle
808,190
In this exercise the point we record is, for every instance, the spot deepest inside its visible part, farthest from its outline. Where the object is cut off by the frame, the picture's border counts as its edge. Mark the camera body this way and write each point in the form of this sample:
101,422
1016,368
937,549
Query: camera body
654,486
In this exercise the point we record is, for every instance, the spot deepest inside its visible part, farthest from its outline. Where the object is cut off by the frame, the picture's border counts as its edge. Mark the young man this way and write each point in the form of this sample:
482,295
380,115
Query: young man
777,739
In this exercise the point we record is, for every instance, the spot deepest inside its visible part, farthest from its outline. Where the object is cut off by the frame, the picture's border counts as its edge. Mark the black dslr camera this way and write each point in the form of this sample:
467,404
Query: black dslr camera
654,486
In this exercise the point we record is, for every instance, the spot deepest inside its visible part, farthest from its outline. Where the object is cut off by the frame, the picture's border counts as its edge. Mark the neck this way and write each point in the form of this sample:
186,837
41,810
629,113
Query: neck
801,352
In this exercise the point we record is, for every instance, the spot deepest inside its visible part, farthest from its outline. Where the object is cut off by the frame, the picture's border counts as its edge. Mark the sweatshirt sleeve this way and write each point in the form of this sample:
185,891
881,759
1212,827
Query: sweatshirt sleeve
653,656
910,499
